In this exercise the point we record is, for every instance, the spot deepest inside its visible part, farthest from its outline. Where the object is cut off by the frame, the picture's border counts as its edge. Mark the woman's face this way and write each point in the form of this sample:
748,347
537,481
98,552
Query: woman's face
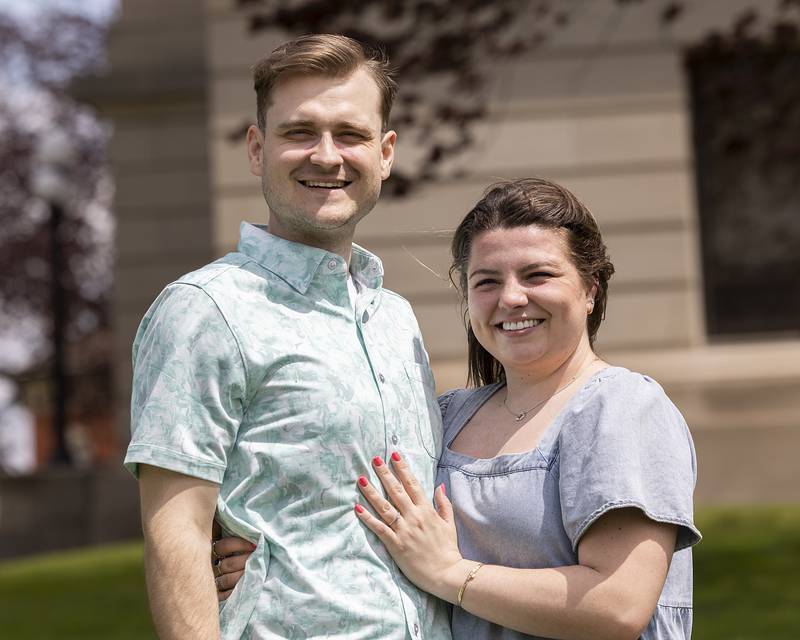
527,302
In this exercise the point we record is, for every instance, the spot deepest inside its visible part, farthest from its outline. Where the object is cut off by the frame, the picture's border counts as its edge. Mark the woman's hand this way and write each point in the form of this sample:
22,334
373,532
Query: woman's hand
422,540
228,557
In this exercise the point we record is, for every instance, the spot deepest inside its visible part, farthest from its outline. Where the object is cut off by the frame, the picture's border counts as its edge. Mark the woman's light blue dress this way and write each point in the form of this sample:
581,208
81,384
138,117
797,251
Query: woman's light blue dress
619,442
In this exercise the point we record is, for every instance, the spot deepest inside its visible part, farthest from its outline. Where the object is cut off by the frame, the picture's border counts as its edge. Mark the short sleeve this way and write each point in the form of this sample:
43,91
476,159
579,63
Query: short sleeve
625,444
188,386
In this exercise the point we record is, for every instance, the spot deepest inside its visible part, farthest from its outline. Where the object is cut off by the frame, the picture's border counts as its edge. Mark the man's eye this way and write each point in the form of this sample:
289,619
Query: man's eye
351,136
299,133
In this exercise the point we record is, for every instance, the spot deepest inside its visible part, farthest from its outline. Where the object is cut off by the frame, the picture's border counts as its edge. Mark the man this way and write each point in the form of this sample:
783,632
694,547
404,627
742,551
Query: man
265,382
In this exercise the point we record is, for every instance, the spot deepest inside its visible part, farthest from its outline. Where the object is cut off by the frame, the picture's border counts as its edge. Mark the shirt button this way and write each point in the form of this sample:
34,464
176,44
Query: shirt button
365,317
395,439
416,629
381,377
332,264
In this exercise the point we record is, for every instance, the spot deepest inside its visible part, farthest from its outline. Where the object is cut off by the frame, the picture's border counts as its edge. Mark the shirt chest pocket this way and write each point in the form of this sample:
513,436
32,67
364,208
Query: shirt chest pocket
419,408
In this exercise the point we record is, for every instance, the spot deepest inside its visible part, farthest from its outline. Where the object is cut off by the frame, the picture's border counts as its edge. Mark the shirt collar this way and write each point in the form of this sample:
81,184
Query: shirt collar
298,264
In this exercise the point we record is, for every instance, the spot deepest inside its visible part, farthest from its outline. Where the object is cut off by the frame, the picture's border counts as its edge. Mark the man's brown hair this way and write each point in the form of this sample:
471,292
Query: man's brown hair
322,54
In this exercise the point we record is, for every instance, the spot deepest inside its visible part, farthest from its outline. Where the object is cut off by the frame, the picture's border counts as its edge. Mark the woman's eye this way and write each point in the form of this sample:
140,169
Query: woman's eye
481,283
539,275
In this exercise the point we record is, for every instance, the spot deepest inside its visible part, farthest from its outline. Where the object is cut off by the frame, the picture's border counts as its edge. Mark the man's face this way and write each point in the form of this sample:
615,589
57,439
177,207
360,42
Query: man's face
322,156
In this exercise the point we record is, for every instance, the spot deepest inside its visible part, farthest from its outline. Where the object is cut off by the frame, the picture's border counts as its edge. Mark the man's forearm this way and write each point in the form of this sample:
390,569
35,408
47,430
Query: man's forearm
180,587
177,512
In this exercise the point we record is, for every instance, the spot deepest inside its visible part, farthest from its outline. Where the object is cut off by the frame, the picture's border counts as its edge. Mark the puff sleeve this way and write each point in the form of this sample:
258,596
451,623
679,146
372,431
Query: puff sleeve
627,445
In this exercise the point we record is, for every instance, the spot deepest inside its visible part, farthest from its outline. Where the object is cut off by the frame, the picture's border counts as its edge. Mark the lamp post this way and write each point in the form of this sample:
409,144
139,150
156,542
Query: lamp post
54,157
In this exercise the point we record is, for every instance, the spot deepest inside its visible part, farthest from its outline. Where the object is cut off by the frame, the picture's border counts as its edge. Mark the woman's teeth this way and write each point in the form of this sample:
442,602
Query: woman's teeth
522,324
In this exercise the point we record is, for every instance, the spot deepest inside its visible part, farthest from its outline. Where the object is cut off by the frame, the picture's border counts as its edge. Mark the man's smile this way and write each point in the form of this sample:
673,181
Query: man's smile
325,184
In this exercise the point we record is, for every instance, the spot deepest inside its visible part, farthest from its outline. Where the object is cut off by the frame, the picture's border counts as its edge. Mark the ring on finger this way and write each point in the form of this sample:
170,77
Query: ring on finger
396,518
214,553
217,569
217,583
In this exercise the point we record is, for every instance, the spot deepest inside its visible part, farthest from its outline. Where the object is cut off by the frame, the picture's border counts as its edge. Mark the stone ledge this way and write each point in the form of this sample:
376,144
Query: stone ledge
66,508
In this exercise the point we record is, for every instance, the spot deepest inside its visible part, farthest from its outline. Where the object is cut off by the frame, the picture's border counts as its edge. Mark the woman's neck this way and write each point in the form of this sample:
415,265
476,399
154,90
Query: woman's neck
525,388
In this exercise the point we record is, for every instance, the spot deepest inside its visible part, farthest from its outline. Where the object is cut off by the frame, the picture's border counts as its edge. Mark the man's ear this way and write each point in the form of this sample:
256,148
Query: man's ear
387,153
255,148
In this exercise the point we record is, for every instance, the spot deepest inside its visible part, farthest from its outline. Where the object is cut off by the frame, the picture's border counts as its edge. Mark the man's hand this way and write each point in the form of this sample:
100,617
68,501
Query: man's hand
177,512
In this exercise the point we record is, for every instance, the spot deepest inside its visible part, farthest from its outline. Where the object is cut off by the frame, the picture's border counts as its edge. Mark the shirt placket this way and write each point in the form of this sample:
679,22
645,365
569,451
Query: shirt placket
385,376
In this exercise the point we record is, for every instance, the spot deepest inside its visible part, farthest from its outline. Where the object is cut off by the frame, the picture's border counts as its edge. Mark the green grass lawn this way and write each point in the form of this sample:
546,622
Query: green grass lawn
81,595
747,574
747,584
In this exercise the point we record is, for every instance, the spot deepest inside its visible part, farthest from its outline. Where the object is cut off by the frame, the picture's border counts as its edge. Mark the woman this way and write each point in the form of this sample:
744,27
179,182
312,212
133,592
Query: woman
571,480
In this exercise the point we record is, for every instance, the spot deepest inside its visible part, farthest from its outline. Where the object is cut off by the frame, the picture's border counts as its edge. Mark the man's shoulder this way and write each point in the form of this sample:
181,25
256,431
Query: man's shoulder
224,269
394,298
199,294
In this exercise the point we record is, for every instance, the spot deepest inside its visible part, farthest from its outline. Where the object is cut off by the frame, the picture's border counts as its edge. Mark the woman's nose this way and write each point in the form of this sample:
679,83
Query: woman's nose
513,295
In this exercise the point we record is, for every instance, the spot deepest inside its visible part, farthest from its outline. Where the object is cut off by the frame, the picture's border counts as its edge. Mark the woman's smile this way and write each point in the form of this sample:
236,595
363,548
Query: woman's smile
527,301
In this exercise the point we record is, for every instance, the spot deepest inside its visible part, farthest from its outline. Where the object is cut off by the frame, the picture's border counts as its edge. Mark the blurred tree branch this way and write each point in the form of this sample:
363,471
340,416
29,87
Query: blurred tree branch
445,54
38,59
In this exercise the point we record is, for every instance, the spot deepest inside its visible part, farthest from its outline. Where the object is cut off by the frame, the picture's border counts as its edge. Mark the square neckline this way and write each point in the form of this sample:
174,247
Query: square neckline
543,447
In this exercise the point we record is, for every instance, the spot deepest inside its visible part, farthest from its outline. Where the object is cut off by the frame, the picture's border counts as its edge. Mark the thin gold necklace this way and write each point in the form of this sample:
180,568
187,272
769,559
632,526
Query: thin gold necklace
519,417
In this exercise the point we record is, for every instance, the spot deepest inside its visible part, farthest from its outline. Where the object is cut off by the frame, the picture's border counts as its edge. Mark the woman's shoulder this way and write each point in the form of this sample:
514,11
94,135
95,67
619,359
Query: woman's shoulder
617,399
459,402
617,384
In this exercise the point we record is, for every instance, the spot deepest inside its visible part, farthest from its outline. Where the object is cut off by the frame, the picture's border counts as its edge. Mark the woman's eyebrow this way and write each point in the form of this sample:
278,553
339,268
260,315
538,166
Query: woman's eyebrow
488,272
528,267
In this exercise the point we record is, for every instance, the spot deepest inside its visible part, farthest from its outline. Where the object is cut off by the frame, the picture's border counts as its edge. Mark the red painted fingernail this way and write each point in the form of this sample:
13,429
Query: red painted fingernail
362,481
359,508
396,456
441,486
377,461
253,546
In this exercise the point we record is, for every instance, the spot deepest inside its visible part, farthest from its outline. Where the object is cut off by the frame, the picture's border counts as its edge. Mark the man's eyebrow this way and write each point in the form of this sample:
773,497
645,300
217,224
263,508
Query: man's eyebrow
291,124
310,124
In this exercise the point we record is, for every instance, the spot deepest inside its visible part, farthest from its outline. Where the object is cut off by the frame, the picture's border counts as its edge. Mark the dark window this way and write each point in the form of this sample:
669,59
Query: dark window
746,127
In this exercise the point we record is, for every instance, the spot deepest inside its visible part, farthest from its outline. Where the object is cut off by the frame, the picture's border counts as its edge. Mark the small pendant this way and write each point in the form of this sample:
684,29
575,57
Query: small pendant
519,417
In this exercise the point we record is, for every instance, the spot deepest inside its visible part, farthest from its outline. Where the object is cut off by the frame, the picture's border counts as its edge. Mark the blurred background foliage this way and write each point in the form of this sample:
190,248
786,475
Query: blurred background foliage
40,54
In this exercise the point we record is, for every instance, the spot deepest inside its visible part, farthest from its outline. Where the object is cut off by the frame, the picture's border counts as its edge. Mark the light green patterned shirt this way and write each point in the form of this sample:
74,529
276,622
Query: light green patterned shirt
255,372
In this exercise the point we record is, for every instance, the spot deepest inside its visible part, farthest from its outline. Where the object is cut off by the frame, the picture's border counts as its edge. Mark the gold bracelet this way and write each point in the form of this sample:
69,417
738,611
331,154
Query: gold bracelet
469,578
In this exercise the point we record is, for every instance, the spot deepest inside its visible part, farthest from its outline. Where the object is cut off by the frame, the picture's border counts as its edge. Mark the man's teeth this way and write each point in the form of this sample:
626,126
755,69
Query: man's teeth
522,324
336,184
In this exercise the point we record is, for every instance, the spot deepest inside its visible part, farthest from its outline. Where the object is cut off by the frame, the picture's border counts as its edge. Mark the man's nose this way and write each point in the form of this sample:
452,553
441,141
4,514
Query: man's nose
326,154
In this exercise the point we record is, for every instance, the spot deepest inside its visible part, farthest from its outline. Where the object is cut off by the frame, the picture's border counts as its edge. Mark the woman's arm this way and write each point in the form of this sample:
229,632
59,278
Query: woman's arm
623,562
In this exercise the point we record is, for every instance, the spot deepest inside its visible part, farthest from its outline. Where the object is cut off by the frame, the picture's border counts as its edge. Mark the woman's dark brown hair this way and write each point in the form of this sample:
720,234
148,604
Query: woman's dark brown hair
521,203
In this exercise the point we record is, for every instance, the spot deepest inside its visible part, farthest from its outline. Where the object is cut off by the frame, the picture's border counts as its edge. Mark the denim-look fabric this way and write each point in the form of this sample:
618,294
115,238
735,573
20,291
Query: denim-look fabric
619,442
256,373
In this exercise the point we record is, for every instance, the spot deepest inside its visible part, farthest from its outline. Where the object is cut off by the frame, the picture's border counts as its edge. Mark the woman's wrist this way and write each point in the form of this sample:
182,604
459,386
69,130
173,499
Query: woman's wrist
452,580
